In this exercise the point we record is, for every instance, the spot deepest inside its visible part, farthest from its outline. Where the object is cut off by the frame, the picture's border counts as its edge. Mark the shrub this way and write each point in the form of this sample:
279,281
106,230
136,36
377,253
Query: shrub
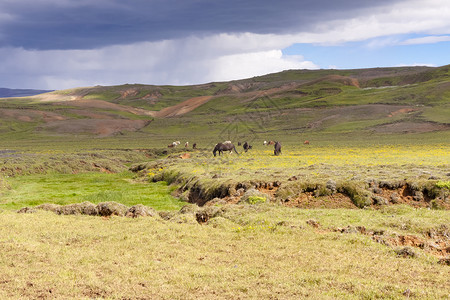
256,200
253,196
443,184
359,196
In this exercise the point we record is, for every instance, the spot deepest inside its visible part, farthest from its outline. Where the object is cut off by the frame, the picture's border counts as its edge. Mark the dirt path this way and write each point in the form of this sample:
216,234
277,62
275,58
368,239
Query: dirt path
183,107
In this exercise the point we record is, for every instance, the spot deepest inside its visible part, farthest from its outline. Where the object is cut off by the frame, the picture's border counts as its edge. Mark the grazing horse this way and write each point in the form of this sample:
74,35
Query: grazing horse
271,143
224,147
277,148
194,146
306,142
246,146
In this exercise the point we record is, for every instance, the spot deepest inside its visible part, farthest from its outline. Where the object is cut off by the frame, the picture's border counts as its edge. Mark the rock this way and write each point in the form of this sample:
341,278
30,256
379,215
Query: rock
111,209
140,210
331,185
377,190
395,197
217,201
189,209
85,208
313,223
418,196
88,208
49,207
166,215
445,261
253,196
348,229
406,252
239,192
377,200
26,210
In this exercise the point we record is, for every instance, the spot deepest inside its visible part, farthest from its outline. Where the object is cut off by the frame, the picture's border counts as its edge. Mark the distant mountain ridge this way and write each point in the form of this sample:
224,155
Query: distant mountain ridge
6,93
301,103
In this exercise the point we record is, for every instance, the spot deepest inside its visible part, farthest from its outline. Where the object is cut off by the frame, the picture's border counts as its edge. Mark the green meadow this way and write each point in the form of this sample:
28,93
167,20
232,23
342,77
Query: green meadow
361,212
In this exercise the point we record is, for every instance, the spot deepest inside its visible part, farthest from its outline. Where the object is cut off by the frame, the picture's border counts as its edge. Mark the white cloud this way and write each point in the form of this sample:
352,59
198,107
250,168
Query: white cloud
246,65
414,16
185,61
426,40
217,57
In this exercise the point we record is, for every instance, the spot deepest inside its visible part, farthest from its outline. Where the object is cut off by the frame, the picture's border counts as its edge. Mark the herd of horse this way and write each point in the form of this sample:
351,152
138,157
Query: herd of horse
229,146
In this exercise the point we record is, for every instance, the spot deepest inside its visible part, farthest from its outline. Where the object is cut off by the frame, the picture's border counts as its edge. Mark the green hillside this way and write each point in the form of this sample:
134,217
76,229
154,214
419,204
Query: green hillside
320,103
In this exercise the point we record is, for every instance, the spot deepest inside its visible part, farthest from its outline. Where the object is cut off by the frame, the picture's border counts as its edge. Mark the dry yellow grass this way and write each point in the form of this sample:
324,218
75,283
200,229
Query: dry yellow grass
254,252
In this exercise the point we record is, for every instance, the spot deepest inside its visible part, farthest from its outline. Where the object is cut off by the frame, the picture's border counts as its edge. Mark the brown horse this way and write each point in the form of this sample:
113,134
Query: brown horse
224,147
277,148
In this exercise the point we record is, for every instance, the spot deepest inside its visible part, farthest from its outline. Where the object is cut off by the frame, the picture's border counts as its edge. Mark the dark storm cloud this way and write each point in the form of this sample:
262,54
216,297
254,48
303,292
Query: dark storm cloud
81,24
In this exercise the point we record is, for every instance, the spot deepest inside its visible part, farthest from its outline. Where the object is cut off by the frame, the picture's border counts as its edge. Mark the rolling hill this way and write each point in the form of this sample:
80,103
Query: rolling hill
378,101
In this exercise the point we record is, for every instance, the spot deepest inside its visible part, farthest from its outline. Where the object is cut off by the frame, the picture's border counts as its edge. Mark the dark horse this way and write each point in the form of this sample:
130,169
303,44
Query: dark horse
247,146
224,147
277,148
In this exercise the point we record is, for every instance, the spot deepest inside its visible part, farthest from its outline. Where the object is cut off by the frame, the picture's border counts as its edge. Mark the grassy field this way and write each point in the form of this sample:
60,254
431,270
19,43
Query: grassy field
244,251
361,212
248,252
63,189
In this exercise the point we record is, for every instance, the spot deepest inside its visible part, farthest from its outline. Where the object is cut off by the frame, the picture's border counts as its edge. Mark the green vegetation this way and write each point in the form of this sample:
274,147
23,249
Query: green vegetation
291,103
248,252
62,189
359,212
443,184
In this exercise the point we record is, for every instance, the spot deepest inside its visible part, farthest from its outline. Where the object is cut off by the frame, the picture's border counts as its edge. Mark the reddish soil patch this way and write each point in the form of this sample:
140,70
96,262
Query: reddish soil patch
438,246
410,127
106,105
101,127
401,111
183,107
129,93
29,115
307,200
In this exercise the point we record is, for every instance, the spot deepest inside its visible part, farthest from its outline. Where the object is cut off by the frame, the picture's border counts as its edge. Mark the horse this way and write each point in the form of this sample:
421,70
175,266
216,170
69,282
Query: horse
271,143
306,142
277,148
194,146
247,146
186,145
224,147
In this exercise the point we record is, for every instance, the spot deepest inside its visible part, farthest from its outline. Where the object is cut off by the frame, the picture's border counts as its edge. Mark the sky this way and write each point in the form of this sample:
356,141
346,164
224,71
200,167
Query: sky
61,44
